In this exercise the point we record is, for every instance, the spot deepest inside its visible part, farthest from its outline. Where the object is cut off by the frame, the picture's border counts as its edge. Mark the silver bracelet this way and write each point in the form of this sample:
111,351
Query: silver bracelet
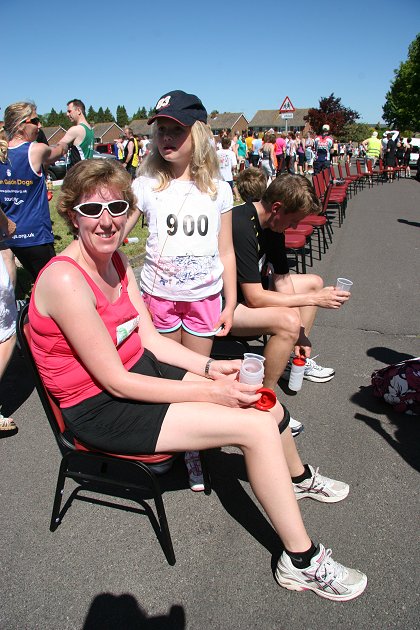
207,368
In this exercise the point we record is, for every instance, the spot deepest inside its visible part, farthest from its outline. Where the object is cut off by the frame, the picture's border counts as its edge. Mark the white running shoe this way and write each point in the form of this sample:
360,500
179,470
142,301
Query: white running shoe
324,576
313,372
296,427
195,473
321,488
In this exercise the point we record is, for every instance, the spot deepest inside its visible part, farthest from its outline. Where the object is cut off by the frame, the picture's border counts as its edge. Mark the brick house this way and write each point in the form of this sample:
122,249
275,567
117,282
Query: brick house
232,121
266,119
140,127
54,134
106,132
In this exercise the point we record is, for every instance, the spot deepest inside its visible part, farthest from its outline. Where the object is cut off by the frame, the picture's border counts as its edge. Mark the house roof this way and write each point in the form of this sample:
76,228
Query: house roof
100,129
272,118
140,127
51,131
224,121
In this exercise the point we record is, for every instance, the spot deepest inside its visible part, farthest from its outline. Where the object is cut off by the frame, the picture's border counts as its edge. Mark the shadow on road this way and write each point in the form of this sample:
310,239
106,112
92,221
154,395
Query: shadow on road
109,612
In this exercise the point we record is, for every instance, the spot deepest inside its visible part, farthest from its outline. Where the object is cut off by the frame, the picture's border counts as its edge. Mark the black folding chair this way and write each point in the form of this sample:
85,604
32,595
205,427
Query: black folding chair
95,471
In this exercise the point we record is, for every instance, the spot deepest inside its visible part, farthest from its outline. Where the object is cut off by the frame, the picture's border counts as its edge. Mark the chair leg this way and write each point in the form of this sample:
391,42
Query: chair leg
206,474
161,514
58,497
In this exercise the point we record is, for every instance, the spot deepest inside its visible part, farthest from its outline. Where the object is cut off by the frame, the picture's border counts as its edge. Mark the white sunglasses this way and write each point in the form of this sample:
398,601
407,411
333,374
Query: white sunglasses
94,209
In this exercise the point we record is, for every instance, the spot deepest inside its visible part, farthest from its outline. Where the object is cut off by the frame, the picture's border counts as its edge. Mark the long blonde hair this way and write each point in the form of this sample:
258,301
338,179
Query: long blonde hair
13,116
204,166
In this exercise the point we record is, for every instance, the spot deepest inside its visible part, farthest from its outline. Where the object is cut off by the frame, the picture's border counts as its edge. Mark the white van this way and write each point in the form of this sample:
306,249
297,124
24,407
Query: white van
415,150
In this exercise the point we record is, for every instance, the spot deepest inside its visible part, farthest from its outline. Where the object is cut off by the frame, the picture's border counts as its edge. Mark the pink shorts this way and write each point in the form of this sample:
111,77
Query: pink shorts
197,318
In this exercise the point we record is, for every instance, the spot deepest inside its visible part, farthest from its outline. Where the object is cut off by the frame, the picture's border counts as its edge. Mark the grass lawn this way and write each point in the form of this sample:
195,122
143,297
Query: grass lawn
63,237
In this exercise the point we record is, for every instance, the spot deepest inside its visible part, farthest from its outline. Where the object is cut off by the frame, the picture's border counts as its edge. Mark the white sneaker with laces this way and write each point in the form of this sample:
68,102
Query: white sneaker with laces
321,488
296,427
317,373
195,473
324,576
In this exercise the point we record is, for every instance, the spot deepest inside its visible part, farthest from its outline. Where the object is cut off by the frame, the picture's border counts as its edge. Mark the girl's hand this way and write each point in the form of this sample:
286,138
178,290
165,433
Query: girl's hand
231,393
225,322
225,368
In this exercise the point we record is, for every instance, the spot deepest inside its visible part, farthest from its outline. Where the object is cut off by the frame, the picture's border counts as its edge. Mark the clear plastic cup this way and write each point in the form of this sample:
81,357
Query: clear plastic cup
343,284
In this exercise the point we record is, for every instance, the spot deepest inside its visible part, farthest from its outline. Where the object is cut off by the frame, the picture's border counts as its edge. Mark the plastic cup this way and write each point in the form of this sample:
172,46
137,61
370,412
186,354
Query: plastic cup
343,284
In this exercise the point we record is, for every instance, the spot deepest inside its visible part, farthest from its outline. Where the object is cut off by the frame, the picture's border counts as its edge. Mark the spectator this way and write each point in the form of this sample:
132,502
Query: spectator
80,137
7,321
372,146
280,151
23,195
242,152
131,152
300,153
227,164
148,394
180,188
268,156
322,147
256,148
287,310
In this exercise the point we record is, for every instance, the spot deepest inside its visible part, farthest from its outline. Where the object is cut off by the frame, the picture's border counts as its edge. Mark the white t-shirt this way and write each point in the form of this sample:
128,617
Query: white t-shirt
182,260
227,161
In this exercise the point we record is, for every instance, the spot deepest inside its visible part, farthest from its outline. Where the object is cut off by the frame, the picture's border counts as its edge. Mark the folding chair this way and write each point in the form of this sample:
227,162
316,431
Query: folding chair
97,471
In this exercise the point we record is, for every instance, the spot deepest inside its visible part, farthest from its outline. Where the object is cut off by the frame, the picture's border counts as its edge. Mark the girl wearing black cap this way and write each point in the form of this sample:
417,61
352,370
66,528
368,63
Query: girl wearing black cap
189,251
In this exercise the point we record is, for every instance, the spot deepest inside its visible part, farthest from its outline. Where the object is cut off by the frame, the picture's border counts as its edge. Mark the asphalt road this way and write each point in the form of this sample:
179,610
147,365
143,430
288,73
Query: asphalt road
104,568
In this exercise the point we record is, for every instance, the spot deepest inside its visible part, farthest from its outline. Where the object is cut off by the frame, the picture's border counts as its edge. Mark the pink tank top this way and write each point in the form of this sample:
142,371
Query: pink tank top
61,370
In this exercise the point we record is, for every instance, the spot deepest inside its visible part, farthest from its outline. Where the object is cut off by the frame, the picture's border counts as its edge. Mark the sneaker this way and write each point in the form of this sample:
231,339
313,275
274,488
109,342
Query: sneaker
313,372
195,473
296,427
321,488
324,576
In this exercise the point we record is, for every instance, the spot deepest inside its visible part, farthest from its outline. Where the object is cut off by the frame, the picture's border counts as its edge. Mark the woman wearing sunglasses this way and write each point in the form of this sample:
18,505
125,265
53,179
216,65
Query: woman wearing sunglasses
23,194
124,388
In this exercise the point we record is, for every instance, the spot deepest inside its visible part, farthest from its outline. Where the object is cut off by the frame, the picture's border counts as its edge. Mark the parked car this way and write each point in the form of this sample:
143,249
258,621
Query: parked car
415,151
58,170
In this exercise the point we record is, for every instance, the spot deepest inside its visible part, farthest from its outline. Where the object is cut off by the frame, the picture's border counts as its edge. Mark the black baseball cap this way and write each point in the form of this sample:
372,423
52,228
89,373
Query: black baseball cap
180,106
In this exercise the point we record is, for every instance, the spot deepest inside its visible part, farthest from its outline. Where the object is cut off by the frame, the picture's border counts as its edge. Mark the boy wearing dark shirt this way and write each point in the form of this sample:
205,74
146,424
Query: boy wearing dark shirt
258,235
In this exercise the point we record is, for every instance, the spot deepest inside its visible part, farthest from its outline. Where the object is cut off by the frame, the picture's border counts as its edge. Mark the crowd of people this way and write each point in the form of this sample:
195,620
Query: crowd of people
202,277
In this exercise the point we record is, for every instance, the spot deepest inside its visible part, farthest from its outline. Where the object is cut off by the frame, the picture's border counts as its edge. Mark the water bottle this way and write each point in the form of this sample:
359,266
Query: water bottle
296,374
131,239
252,369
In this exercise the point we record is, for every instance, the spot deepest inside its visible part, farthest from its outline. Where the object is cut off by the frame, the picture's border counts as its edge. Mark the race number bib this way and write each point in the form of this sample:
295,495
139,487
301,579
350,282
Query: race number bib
188,232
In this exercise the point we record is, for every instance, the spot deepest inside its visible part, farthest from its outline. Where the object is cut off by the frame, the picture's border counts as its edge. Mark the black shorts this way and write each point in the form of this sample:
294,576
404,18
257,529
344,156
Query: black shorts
118,425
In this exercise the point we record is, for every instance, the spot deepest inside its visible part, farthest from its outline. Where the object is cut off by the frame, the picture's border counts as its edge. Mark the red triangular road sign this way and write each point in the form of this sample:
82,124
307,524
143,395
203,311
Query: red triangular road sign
286,106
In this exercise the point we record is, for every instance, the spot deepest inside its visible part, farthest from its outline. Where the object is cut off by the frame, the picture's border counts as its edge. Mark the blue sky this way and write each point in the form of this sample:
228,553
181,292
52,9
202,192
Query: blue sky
235,55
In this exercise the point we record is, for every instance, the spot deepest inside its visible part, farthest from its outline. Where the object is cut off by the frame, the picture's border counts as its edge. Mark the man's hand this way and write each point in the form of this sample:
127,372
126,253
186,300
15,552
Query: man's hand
330,297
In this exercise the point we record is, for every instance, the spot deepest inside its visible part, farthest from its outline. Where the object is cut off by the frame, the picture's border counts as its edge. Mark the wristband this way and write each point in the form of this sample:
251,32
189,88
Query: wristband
207,368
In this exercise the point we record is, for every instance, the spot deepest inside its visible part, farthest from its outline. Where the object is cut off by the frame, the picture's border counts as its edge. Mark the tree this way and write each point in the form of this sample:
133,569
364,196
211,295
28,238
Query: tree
122,116
331,112
214,113
402,105
140,114
357,132
91,115
108,115
100,116
52,118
